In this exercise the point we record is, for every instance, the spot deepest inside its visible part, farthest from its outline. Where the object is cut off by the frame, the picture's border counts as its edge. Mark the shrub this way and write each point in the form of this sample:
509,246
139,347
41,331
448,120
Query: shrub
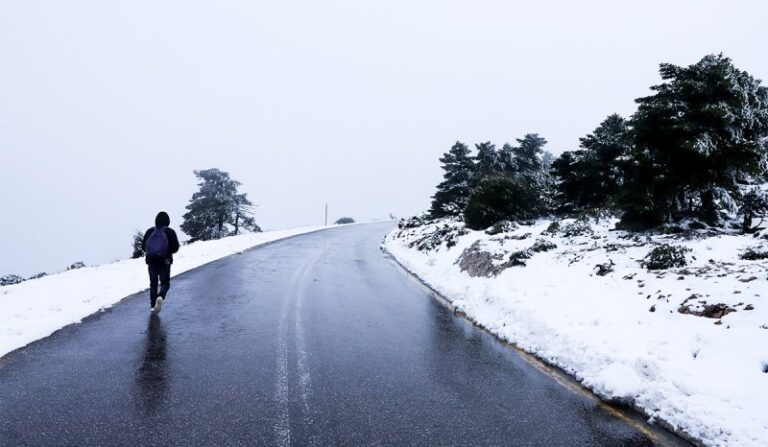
666,256
542,245
345,220
76,265
605,268
413,222
433,240
518,258
577,228
9,280
553,228
696,225
502,226
754,254
639,221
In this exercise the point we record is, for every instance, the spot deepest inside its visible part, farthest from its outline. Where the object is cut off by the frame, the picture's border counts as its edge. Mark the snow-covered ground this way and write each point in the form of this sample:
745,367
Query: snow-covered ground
36,308
621,334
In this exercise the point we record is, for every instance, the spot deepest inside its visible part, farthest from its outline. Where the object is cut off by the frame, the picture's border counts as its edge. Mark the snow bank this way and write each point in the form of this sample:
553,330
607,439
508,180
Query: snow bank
622,334
36,308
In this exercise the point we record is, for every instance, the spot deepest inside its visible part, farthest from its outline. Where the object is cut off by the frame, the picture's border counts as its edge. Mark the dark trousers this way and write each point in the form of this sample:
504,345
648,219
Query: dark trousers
161,272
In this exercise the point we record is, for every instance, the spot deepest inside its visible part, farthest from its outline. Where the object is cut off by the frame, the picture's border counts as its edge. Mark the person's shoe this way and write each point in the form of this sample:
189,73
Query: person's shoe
158,305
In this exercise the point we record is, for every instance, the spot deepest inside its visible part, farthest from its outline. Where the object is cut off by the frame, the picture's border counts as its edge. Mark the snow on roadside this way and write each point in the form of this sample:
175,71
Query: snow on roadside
36,308
620,334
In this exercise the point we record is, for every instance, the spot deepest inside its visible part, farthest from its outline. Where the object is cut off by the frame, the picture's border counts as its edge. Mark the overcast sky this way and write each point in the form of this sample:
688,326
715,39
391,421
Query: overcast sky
107,107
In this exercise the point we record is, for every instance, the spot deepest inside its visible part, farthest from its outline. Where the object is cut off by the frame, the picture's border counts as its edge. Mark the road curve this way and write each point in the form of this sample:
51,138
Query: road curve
315,340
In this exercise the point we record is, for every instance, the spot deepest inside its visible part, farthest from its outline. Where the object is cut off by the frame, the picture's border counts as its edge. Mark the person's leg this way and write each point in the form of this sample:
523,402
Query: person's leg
165,279
153,274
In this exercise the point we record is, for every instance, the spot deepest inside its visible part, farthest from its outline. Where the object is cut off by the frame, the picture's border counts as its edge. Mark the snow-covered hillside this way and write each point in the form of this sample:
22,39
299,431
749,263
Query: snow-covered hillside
36,308
687,345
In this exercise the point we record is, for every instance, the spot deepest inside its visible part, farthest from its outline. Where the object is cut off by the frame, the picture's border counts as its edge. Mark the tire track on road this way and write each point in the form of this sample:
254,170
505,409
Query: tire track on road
301,280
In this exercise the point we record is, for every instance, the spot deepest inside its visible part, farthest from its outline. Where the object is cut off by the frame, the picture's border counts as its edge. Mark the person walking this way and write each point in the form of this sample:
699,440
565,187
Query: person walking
159,244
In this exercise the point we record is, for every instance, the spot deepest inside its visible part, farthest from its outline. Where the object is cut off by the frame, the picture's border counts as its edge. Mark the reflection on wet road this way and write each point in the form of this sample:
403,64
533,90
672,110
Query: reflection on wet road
153,374
315,340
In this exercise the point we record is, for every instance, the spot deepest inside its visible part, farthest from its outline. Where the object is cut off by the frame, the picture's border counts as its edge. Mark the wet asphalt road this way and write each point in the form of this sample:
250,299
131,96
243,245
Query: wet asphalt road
315,340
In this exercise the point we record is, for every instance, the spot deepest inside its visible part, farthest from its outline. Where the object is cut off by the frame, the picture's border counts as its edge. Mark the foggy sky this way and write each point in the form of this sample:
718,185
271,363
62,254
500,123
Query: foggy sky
107,107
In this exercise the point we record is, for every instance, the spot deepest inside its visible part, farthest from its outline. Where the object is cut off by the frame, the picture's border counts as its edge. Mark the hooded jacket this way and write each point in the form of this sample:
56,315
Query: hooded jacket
161,222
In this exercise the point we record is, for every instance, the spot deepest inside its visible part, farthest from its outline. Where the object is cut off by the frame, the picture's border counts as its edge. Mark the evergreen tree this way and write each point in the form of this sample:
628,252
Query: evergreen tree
487,163
453,192
243,215
528,156
502,198
569,181
547,158
592,176
546,183
754,204
138,241
507,161
510,184
216,207
703,132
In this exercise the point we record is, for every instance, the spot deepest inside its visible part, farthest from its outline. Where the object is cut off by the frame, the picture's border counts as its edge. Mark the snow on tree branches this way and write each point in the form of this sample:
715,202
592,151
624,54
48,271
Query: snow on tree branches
217,209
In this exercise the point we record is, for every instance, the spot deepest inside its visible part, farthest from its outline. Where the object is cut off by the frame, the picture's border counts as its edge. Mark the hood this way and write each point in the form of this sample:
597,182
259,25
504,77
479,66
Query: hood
162,219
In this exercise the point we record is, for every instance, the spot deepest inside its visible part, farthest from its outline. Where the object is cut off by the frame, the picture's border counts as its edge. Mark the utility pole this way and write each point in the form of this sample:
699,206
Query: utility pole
326,214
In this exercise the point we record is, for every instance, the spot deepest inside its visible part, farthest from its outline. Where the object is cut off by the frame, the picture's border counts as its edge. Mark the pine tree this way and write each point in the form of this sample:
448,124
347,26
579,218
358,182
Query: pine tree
547,158
138,241
528,156
704,131
546,183
243,215
502,198
507,161
510,184
487,163
216,207
453,192
569,181
754,204
592,176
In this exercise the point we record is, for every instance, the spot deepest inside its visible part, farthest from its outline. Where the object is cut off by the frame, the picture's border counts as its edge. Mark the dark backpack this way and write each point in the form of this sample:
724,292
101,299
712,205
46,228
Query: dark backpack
157,244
